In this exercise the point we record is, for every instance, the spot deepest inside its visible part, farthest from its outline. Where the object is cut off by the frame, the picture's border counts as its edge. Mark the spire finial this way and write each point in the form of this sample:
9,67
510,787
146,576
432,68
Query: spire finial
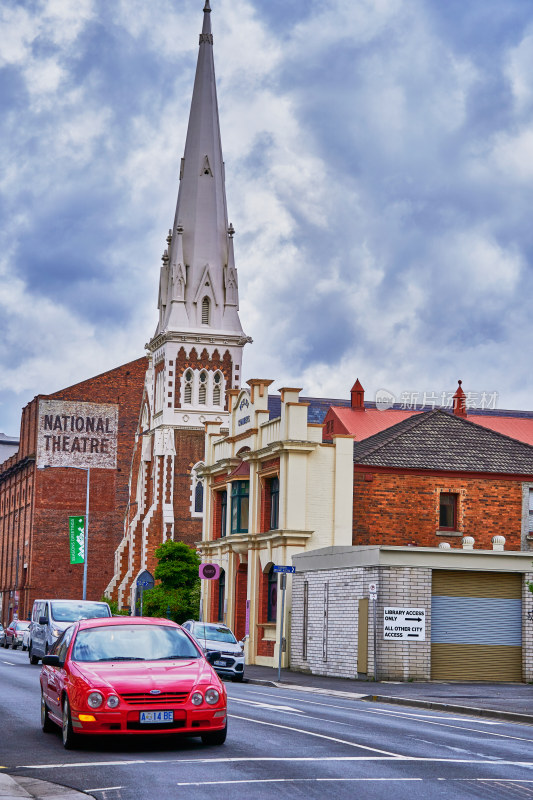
207,7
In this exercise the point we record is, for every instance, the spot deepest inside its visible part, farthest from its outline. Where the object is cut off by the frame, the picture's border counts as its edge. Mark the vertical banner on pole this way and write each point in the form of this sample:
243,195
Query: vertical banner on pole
77,539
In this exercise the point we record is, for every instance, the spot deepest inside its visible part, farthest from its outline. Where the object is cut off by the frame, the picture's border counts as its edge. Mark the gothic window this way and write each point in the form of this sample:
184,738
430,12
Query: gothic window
187,389
217,389
205,311
159,390
202,391
197,491
199,497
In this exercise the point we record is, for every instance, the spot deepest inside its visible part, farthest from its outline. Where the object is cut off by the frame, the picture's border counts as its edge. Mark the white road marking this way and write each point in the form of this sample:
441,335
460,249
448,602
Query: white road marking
434,721
393,712
297,780
277,759
107,789
319,736
267,705
10,663
350,780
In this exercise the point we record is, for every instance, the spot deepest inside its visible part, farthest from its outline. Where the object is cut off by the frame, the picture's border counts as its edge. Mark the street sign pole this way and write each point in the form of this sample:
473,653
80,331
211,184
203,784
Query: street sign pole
86,533
283,581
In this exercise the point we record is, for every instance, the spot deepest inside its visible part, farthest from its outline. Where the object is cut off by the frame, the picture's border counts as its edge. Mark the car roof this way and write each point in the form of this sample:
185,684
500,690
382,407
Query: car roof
98,622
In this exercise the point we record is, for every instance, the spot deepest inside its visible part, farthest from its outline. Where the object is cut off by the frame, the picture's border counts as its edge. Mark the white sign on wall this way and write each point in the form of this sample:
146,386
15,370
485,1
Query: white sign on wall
76,434
404,624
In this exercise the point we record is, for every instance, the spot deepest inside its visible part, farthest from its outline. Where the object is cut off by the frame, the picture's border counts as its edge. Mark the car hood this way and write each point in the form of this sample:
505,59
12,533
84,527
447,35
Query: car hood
135,676
223,647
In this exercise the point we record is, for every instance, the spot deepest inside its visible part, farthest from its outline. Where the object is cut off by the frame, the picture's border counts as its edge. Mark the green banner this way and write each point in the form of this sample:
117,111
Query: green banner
77,539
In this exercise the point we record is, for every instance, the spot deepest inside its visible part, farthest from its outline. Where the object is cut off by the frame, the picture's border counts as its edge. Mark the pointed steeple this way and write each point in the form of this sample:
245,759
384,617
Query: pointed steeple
199,259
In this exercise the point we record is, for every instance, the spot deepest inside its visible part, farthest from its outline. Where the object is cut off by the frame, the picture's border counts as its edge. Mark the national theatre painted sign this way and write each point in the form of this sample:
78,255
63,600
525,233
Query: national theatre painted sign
76,434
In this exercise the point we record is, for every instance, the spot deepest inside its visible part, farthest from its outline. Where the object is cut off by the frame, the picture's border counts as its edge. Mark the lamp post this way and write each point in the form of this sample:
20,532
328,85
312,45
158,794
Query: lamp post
87,495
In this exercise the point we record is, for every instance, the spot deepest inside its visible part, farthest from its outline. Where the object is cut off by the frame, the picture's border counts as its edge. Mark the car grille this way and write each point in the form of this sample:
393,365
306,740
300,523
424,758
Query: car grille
165,698
160,726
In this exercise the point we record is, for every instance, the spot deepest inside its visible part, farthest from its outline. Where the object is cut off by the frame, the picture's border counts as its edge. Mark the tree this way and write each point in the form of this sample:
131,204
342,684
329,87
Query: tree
177,596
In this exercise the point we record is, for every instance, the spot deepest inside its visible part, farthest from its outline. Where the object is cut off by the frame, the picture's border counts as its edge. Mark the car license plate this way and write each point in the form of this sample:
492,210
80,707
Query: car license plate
151,717
219,663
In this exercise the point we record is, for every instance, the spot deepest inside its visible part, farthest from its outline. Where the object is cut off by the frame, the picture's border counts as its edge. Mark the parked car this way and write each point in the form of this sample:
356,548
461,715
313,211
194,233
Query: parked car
126,675
26,638
213,637
2,636
49,618
15,633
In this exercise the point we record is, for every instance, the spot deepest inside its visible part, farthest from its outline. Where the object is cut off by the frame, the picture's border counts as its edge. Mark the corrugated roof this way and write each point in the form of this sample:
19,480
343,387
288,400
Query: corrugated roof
438,440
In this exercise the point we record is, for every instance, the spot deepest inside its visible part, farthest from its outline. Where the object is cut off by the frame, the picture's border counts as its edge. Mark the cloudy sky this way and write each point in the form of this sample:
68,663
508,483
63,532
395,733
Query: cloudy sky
379,163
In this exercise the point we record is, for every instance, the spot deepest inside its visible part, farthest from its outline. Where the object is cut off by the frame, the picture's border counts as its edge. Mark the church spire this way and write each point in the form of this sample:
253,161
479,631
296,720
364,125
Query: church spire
201,276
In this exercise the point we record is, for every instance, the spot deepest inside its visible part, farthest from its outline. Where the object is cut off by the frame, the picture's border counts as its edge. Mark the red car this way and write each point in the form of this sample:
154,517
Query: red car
131,675
15,633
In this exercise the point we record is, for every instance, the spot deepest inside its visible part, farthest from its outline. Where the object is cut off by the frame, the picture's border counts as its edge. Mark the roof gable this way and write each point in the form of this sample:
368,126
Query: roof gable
438,440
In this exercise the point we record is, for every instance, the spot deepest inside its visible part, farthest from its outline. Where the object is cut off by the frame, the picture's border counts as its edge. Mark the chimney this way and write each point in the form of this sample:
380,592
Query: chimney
358,396
459,402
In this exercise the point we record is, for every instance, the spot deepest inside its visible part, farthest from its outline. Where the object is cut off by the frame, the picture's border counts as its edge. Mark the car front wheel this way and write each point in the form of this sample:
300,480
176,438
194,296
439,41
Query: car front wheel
70,739
33,659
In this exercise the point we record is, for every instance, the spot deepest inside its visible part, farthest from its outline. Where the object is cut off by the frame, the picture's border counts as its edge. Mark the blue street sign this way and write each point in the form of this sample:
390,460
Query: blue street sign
285,569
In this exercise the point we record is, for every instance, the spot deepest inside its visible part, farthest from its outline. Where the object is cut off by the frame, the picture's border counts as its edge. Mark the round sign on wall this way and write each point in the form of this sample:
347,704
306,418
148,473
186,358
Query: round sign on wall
209,572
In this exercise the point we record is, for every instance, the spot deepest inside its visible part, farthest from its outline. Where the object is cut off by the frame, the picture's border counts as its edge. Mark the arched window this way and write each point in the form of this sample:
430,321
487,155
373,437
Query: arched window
217,388
197,491
187,389
202,391
199,497
205,311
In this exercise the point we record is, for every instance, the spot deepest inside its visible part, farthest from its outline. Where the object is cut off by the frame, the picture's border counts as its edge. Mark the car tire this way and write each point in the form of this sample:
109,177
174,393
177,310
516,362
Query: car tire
33,659
70,739
47,726
24,648
238,678
215,737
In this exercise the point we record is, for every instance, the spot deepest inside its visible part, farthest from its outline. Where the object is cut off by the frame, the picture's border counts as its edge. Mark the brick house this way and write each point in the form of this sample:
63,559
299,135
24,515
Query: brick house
442,528
35,504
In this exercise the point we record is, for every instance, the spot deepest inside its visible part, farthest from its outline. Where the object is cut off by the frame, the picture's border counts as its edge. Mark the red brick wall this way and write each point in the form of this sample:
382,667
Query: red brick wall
40,530
403,509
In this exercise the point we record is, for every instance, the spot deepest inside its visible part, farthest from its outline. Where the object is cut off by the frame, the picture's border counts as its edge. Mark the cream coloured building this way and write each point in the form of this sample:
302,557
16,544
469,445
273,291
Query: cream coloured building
273,489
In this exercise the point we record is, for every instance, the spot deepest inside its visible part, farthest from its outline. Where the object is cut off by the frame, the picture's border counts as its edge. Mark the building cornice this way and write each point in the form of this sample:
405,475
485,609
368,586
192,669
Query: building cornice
208,338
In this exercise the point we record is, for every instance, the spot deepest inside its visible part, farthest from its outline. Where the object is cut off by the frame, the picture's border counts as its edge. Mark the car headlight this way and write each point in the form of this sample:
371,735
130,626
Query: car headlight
212,697
95,700
112,701
197,698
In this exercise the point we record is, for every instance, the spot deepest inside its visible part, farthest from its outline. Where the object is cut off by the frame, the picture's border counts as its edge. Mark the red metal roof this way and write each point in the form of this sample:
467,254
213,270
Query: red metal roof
362,424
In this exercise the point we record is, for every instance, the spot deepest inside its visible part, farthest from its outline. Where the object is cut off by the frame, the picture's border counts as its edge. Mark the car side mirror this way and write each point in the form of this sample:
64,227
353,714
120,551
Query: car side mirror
213,656
43,620
52,661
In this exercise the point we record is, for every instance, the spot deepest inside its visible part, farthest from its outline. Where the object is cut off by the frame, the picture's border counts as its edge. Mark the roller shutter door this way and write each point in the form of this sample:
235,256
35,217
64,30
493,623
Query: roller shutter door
476,626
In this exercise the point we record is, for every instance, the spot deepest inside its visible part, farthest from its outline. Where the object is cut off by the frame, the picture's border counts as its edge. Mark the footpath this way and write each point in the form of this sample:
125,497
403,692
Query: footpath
510,702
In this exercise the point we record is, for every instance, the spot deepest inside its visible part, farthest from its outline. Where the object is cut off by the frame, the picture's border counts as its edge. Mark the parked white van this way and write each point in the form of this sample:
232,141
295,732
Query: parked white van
49,618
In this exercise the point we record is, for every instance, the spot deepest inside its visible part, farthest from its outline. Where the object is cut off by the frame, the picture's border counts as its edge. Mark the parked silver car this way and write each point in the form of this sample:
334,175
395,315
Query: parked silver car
214,637
2,636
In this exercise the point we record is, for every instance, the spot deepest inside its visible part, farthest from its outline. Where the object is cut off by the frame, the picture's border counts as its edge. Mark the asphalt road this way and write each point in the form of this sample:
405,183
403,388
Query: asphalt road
282,743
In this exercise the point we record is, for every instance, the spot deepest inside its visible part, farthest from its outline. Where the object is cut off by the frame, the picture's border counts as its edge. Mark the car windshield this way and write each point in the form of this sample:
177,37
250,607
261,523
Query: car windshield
215,633
23,625
133,643
71,612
